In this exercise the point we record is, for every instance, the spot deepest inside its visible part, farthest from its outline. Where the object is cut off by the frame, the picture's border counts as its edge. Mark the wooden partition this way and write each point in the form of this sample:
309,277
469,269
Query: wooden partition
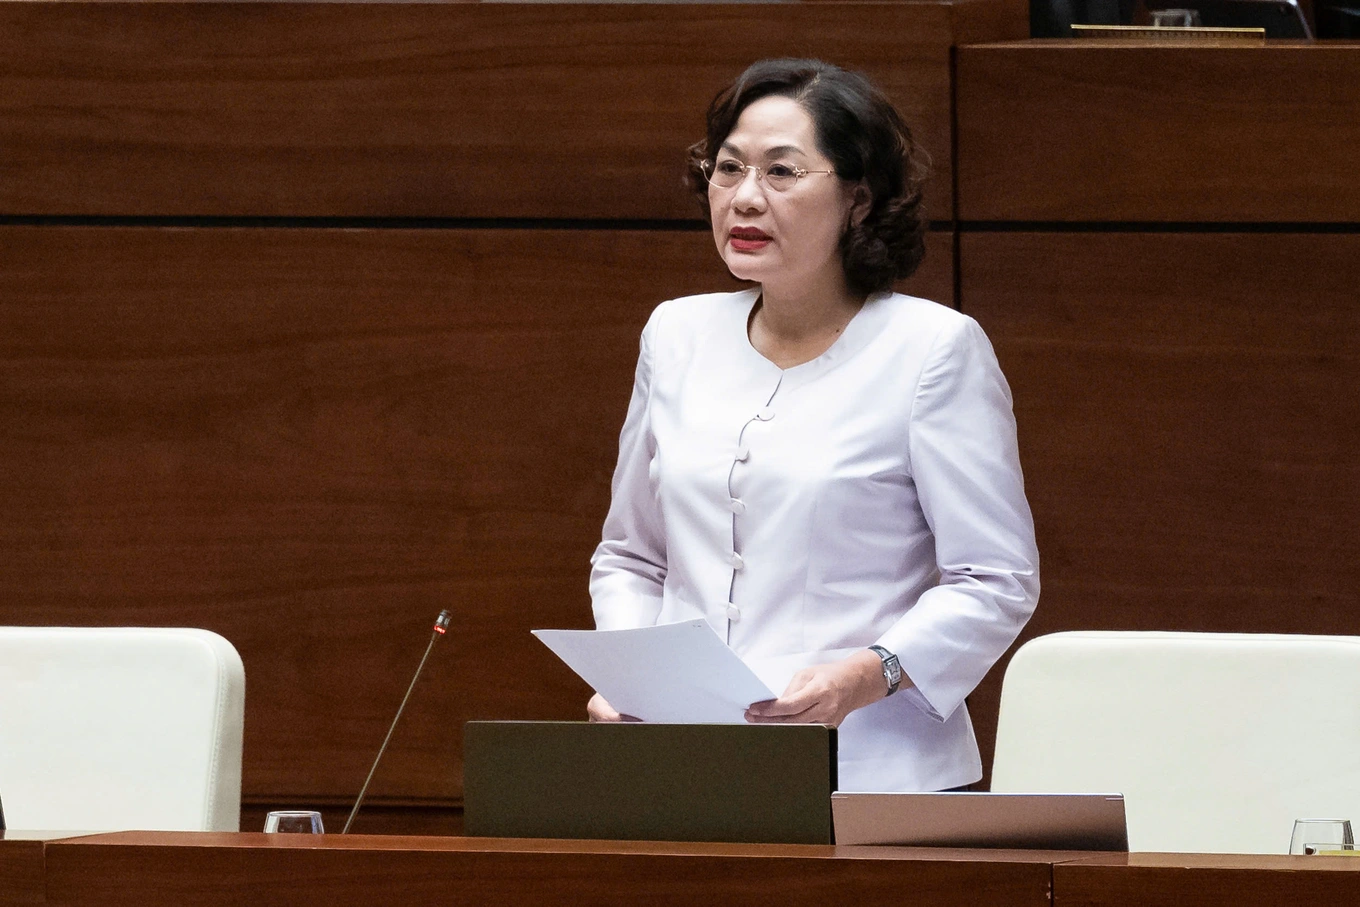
463,110
1093,131
316,319
1189,429
1164,245
311,441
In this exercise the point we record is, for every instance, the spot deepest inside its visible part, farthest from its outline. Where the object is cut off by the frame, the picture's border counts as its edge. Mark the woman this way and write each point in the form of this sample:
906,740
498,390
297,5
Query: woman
824,470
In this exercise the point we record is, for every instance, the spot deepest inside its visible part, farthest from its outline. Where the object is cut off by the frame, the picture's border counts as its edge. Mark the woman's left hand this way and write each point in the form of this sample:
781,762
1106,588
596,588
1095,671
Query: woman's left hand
826,693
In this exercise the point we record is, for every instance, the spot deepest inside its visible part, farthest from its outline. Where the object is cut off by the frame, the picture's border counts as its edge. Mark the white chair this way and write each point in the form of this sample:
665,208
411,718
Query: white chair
105,729
1218,741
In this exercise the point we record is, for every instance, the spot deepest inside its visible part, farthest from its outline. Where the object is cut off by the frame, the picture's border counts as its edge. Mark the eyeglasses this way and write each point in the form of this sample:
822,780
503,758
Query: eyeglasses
730,173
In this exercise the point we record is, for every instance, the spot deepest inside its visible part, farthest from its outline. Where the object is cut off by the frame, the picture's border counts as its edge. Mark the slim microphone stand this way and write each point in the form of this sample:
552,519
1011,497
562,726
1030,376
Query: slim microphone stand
441,626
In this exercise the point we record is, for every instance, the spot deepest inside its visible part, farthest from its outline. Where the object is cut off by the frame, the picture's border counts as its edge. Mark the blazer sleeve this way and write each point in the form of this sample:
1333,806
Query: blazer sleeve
965,461
628,568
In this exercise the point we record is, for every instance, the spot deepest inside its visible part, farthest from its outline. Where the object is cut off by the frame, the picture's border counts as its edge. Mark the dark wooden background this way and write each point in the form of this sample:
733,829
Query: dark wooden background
1164,245
318,318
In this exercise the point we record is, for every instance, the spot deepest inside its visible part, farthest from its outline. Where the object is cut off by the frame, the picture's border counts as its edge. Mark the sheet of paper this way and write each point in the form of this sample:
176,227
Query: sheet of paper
679,673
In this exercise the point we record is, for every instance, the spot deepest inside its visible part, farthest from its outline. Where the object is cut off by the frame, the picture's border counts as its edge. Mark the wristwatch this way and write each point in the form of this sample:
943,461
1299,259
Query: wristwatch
892,671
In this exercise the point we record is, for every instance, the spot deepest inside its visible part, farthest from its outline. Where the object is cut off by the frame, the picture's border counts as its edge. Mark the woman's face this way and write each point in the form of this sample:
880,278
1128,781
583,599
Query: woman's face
787,241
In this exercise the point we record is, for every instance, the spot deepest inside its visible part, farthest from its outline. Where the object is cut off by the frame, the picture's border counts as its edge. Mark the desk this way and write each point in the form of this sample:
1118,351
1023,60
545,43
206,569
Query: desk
150,869
22,873
1204,880
147,869
21,869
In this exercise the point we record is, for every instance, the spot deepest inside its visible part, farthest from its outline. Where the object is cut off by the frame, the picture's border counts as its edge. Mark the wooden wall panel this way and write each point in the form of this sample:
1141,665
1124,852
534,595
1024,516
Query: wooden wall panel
465,110
311,438
989,20
311,441
1072,131
1189,418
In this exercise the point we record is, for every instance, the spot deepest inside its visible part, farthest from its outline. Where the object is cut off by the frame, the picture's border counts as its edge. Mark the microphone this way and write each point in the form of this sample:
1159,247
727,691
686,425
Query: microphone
441,626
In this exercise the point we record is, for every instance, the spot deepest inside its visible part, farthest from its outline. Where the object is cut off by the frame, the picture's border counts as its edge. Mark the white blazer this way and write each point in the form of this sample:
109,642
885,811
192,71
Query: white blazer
870,496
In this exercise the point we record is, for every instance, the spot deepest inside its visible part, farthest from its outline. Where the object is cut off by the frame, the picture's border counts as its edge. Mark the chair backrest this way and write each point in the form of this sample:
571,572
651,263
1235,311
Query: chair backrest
105,729
1218,741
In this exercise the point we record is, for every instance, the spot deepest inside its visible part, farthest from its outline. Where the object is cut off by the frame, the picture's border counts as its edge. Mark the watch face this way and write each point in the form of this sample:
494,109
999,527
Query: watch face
892,669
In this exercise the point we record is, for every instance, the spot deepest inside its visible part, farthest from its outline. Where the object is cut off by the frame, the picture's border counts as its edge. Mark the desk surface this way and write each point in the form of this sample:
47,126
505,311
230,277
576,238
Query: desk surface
1204,880
164,868
210,869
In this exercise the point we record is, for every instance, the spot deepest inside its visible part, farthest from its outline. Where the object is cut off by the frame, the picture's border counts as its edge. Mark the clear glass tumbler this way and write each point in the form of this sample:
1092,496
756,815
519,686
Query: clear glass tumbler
294,821
1312,835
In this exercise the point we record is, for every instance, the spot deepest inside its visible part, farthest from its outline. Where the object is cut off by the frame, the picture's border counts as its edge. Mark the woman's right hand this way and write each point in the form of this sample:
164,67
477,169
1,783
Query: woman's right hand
599,709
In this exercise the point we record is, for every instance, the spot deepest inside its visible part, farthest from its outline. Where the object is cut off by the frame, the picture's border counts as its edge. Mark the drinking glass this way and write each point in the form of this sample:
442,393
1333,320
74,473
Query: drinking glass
1312,835
1175,18
296,821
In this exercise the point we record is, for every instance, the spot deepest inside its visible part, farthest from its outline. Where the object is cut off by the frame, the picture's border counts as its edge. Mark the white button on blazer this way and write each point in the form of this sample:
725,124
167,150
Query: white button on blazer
882,503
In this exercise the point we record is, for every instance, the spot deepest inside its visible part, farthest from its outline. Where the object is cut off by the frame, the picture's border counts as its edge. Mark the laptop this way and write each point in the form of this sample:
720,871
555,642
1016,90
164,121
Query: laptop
1023,821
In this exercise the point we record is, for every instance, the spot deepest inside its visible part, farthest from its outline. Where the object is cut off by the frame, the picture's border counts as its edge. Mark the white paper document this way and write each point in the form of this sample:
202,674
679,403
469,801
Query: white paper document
679,673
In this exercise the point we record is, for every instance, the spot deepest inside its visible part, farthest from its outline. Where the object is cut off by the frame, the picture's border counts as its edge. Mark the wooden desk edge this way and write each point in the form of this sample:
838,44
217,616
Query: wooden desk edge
258,840
1224,862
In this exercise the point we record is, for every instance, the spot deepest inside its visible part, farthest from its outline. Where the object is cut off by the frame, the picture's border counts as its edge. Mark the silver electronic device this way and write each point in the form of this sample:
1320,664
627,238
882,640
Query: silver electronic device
1025,821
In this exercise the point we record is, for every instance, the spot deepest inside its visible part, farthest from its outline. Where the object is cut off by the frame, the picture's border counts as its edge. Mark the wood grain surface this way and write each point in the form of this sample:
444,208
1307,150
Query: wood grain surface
467,110
381,815
1085,131
155,868
22,873
1204,880
311,441
988,20
1188,416
219,870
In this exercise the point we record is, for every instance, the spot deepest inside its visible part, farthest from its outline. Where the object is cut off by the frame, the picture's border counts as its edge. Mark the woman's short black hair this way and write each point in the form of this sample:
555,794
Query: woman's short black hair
861,133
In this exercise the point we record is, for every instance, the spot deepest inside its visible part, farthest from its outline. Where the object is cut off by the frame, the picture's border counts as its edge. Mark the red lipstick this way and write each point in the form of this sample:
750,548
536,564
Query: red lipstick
748,239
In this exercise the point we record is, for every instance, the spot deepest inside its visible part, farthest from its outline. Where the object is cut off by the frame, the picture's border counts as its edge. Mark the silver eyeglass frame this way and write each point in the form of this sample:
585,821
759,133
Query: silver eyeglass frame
710,169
